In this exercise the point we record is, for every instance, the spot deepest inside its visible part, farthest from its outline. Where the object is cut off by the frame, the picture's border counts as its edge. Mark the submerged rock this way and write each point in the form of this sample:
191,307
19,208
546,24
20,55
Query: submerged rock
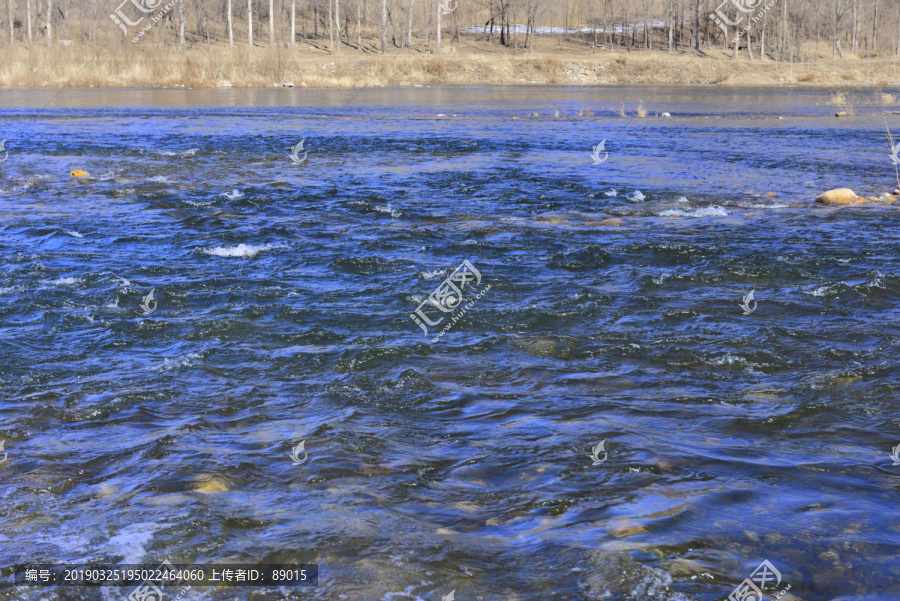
838,196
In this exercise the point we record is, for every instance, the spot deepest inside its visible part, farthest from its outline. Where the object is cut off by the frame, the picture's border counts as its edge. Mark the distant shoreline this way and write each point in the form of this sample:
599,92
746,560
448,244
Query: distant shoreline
220,66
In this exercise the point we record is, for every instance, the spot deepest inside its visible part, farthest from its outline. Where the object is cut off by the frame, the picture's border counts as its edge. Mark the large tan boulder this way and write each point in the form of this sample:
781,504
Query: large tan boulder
838,196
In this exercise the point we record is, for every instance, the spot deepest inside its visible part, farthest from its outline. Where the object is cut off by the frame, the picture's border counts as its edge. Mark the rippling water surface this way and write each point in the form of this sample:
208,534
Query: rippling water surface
283,296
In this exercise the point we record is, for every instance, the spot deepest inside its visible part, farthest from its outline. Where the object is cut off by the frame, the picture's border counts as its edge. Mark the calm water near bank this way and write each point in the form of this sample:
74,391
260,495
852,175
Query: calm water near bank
142,429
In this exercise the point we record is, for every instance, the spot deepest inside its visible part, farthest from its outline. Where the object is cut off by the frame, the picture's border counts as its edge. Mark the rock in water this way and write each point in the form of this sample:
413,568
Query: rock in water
838,196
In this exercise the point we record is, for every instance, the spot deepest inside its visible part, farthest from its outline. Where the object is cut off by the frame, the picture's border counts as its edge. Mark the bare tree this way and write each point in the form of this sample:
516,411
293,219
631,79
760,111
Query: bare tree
250,23
337,23
293,22
49,21
437,39
271,22
697,25
875,30
12,37
330,28
230,28
181,22
384,46
408,29
28,18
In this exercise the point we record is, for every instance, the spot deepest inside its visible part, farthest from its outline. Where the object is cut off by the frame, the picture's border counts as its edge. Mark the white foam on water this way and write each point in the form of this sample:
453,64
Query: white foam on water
821,291
612,193
185,361
159,179
241,250
69,281
388,209
637,196
776,205
233,195
131,540
681,199
73,234
710,211
171,153
432,274
105,177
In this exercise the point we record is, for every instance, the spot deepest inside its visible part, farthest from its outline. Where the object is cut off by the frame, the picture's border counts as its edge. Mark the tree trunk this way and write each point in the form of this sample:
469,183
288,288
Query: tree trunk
437,38
28,17
337,22
875,30
834,40
502,23
697,26
271,22
12,37
532,19
181,22
293,22
250,23
330,28
671,24
230,26
409,30
359,23
384,44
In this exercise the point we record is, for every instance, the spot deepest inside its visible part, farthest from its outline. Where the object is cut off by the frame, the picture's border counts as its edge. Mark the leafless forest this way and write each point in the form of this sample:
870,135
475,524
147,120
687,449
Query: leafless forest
782,29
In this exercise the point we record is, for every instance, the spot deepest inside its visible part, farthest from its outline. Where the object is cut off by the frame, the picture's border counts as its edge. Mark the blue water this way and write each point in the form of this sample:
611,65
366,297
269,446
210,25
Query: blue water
140,430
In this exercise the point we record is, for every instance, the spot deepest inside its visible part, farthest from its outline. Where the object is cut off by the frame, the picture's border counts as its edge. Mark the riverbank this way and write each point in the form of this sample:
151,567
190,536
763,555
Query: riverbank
203,65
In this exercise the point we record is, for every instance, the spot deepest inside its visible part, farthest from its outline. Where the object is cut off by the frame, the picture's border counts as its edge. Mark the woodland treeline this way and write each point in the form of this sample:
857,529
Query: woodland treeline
780,28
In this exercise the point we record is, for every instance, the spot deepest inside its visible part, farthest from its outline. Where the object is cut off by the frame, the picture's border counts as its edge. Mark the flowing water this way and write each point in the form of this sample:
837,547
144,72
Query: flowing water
141,429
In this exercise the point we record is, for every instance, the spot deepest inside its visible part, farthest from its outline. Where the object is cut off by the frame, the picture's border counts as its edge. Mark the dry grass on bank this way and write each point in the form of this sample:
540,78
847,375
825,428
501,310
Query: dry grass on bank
154,64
